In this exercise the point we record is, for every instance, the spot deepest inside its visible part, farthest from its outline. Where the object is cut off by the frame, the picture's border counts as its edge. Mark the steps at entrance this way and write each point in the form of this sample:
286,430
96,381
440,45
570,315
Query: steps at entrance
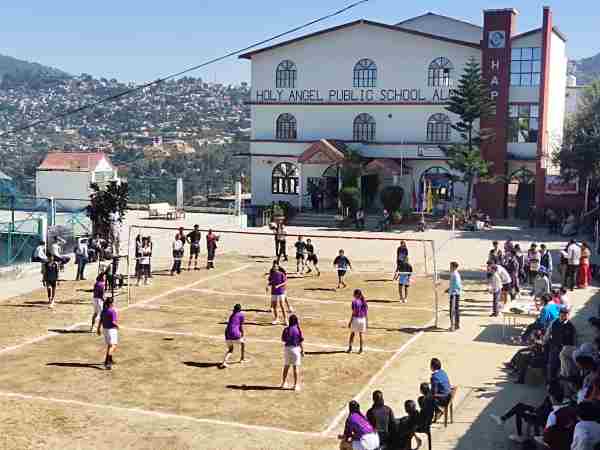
327,220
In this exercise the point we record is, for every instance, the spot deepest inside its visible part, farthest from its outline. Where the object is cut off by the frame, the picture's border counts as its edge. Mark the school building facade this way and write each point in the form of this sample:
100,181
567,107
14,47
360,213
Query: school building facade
380,90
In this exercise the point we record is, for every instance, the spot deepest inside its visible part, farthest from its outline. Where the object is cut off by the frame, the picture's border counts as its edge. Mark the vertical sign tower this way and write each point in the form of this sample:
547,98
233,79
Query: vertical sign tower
499,26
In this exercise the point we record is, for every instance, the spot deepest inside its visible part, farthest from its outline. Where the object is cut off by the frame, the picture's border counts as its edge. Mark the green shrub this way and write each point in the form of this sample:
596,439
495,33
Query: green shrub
391,197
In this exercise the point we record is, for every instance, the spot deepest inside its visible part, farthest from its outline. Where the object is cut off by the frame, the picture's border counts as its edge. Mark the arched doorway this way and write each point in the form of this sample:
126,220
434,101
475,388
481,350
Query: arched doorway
323,190
436,190
520,193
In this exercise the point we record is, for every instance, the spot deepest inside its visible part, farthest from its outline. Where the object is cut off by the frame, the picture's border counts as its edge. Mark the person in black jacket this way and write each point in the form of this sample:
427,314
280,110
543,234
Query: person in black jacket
561,333
382,418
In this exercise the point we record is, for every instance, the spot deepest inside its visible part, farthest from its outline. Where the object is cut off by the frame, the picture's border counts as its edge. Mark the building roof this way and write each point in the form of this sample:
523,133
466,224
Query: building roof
72,161
249,55
429,13
539,30
323,151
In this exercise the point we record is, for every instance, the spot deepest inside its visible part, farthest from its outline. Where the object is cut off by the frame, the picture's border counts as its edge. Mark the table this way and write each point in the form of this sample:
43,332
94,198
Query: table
529,311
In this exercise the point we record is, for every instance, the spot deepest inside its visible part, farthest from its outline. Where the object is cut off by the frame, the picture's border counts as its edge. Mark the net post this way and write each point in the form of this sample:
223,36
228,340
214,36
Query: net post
435,284
425,257
128,265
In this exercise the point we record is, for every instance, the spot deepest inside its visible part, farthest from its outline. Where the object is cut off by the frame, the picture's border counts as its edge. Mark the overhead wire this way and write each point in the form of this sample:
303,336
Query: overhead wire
158,81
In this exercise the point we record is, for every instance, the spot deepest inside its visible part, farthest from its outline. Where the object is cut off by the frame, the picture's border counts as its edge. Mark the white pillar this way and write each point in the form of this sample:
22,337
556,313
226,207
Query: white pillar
340,181
238,198
179,194
300,186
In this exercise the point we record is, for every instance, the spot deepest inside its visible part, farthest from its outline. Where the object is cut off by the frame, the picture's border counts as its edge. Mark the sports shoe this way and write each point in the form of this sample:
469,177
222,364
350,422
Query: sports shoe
497,419
297,388
275,322
517,438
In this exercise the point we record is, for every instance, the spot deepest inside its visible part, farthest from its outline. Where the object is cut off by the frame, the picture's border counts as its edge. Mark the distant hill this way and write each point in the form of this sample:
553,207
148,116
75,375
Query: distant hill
587,69
17,70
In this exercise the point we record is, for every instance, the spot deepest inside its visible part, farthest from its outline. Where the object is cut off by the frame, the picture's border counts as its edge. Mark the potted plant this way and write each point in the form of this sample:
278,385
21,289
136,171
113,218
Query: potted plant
397,217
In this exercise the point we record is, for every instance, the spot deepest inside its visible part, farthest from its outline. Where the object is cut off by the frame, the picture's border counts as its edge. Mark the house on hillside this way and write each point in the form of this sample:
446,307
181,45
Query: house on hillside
68,175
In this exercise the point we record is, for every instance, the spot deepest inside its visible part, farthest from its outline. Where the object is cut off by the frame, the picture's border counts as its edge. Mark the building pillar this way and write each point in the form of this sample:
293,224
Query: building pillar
238,198
543,138
499,25
300,186
339,186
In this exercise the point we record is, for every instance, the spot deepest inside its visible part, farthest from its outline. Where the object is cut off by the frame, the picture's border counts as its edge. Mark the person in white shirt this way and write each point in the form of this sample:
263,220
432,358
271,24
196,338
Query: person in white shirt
82,258
55,251
145,253
177,254
496,288
587,430
541,285
506,282
573,258
115,231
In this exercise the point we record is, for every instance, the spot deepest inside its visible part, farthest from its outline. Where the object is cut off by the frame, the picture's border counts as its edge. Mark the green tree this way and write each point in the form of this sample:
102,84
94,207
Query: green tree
471,102
579,155
105,201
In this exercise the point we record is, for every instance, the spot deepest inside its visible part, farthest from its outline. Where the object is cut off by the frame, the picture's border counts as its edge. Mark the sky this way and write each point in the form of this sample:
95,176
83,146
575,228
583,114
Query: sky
134,40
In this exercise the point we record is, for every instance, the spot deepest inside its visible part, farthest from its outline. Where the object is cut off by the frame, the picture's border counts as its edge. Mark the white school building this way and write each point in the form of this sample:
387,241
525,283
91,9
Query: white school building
380,90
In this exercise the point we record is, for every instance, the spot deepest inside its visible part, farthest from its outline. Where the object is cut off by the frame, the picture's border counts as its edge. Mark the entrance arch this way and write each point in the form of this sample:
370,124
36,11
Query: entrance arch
436,189
520,193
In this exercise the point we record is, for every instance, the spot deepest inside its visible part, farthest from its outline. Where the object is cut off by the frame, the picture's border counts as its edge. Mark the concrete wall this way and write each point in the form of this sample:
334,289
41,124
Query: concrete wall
444,26
557,85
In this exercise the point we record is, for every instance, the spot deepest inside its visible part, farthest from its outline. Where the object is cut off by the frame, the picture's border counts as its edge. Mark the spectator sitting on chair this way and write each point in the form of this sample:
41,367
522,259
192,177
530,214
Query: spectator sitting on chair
382,418
532,415
385,221
440,384
532,356
421,225
548,314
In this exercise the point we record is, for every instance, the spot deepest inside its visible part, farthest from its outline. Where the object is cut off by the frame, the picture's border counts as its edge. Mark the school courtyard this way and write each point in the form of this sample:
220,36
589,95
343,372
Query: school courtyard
166,391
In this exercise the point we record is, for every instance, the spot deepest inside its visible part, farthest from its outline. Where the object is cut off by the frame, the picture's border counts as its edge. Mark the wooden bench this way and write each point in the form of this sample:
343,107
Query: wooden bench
162,210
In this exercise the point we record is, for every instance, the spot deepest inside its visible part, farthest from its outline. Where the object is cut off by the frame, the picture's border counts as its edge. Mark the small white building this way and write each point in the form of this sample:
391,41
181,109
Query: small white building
67,176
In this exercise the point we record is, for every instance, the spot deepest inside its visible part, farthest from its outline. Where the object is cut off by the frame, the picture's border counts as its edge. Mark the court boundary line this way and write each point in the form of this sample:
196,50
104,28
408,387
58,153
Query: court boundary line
368,386
145,302
305,299
260,340
158,414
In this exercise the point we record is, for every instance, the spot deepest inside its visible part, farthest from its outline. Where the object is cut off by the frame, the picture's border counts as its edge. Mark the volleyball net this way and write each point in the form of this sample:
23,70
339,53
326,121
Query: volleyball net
367,254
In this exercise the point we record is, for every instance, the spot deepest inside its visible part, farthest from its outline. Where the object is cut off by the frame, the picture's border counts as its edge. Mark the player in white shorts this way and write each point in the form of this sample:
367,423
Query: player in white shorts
98,298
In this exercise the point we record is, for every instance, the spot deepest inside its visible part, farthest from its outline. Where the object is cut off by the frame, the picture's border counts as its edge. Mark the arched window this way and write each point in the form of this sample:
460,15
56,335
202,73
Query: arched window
365,74
440,72
364,128
285,127
285,179
438,128
285,75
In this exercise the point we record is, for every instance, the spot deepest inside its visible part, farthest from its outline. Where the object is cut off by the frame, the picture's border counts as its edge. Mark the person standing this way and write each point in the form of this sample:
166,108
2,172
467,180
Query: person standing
533,262
211,249
381,417
573,261
300,246
51,270
561,333
512,267
234,334
403,274
293,351
109,324
40,255
115,231
193,238
55,250
496,288
280,238
495,255
454,291
312,258
541,286
342,264
358,320
177,248
401,253
145,253
546,261
358,433
82,258
584,266
360,219
98,298
277,283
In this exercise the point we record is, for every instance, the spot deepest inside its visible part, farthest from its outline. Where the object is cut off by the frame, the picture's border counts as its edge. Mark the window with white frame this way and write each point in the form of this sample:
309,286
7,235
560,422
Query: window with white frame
440,72
365,74
523,122
284,179
525,66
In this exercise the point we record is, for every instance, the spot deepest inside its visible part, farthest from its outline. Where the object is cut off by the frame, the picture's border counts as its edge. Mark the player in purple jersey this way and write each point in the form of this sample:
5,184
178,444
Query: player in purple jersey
358,321
234,334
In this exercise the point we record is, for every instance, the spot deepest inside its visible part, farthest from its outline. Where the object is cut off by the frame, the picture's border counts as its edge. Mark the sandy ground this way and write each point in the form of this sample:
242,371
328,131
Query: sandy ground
166,393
